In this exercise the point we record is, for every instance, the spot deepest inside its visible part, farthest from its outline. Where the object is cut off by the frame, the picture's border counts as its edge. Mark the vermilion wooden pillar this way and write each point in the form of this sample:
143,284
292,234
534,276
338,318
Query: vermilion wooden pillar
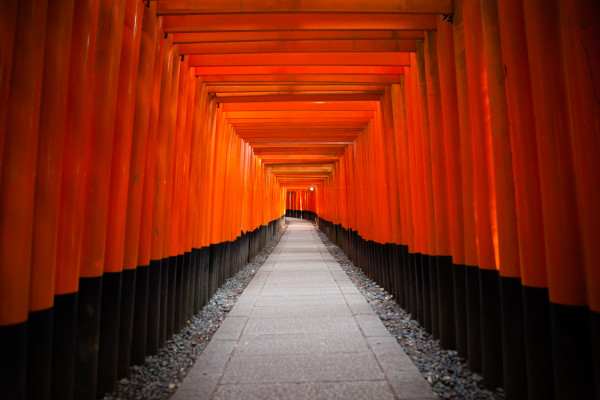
174,195
532,257
147,96
468,195
17,185
569,315
166,174
439,156
425,261
184,244
8,24
511,308
580,31
419,199
485,201
112,284
105,81
413,175
447,72
150,256
74,171
429,267
400,129
53,118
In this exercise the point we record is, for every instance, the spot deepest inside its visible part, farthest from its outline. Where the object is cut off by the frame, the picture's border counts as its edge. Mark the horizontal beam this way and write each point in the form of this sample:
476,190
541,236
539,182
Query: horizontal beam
298,46
301,161
170,7
260,143
298,97
298,145
313,131
304,78
303,105
291,141
306,115
202,37
225,95
279,138
305,21
302,58
239,88
300,69
292,157
308,151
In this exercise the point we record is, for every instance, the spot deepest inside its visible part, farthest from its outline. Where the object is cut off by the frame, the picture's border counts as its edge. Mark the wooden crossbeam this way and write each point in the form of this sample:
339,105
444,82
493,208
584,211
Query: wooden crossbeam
302,58
207,37
171,7
299,46
306,78
302,21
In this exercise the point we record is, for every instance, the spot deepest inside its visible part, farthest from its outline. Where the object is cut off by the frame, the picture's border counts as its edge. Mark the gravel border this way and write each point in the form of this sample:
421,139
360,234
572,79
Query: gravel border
446,372
162,374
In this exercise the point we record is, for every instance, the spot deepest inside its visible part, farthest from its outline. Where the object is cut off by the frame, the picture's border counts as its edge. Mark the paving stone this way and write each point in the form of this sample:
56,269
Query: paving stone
278,326
366,390
307,343
371,325
302,368
299,301
361,308
231,328
329,310
204,376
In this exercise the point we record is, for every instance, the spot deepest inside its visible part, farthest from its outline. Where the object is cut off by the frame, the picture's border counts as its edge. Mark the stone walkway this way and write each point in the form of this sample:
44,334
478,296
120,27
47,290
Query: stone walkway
301,330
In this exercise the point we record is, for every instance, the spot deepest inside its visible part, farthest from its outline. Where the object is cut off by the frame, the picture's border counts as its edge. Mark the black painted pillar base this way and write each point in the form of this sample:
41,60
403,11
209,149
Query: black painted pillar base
538,343
170,286
13,361
39,354
473,319
595,337
205,260
213,270
197,281
513,339
108,349
172,313
64,334
412,282
190,284
428,292
400,277
391,266
164,302
491,328
126,322
445,275
153,319
178,307
418,267
140,316
219,265
407,276
460,309
88,336
572,355
434,294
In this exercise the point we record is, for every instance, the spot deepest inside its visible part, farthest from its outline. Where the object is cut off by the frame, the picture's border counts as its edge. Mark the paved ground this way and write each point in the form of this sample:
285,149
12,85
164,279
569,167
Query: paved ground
301,330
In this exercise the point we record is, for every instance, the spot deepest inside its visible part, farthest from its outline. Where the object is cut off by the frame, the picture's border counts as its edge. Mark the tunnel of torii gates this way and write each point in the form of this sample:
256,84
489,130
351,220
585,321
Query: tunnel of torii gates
150,149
